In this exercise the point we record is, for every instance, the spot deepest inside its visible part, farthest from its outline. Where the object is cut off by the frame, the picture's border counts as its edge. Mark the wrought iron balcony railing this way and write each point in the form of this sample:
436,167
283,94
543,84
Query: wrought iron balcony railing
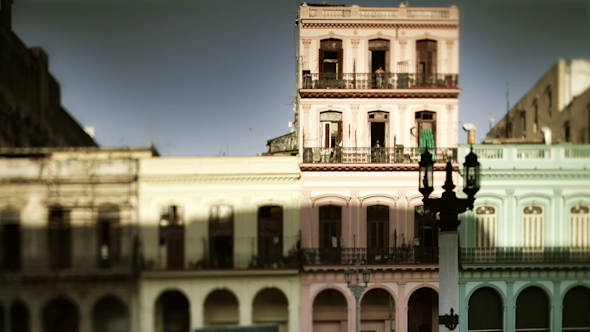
525,255
398,154
391,255
365,81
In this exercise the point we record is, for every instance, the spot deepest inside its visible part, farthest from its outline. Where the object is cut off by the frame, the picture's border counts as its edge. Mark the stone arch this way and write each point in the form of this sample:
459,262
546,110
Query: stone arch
377,310
485,309
172,312
423,310
271,306
532,308
60,314
19,316
110,315
221,308
576,306
330,311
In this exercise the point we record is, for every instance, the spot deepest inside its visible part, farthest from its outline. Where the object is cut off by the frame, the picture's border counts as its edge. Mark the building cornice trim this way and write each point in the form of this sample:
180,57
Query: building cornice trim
368,94
190,178
355,25
313,167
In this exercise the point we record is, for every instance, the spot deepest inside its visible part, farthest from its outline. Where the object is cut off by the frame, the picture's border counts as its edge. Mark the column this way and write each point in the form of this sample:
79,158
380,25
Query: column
401,306
449,276
354,222
85,315
196,312
245,315
293,318
556,311
306,64
463,318
35,316
510,308
353,138
450,59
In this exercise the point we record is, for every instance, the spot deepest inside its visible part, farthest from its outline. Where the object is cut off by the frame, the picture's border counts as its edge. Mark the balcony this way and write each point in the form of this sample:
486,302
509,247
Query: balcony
392,255
368,81
356,155
519,255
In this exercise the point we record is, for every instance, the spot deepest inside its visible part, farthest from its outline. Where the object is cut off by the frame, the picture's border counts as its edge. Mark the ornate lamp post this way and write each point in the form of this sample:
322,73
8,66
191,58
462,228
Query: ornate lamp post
357,289
449,207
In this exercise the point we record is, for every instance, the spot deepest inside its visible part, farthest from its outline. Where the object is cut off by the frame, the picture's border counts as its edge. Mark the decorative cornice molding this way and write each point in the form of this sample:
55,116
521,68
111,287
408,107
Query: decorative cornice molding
533,175
306,42
311,167
406,93
220,178
333,25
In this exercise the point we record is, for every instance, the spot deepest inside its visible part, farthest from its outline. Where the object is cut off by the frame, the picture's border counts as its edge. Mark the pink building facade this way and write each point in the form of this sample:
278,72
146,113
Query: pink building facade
376,87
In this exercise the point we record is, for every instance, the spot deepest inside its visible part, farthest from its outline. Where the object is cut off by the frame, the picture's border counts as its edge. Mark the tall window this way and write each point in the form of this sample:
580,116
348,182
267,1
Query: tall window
331,129
172,235
379,128
567,131
536,123
331,57
221,236
485,226
10,253
580,227
425,227
270,234
109,236
426,50
330,233
377,233
60,238
426,129
533,225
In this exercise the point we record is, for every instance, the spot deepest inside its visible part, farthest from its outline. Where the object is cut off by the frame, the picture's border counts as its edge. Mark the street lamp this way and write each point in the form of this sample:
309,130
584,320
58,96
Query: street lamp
357,289
449,207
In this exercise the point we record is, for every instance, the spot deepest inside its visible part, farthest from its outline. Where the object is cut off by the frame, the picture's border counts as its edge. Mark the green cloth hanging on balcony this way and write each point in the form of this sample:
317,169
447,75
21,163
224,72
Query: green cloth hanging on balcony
427,141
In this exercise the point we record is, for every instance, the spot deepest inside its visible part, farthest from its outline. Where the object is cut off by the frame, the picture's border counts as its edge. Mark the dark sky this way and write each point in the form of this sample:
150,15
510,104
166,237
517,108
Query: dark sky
210,77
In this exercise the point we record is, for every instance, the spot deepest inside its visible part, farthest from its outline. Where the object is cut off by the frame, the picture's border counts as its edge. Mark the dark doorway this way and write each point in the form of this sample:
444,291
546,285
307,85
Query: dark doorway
330,233
576,306
60,238
377,134
60,315
270,235
426,53
423,311
485,310
110,315
221,235
377,60
172,313
532,310
109,236
221,309
330,312
378,233
172,236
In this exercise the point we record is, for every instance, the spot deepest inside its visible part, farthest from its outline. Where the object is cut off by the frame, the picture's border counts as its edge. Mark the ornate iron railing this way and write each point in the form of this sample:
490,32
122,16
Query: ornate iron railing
525,255
391,255
398,154
378,81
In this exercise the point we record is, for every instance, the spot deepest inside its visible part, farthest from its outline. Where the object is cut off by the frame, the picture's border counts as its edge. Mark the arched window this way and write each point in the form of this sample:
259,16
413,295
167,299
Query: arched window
485,310
330,311
533,232
580,228
221,236
172,235
270,235
485,226
576,306
532,310
172,312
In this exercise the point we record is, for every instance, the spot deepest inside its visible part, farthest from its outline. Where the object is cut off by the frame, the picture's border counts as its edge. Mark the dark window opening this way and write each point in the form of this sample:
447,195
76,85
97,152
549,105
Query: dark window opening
270,234
60,315
11,240
378,233
109,236
221,235
532,310
172,236
330,233
330,58
485,310
60,238
426,51
425,228
377,134
567,132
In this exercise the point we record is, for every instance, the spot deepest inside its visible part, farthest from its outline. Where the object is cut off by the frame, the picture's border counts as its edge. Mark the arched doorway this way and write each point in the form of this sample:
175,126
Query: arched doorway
485,310
532,310
172,312
576,309
271,306
221,309
330,312
423,311
60,315
19,317
377,311
110,315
